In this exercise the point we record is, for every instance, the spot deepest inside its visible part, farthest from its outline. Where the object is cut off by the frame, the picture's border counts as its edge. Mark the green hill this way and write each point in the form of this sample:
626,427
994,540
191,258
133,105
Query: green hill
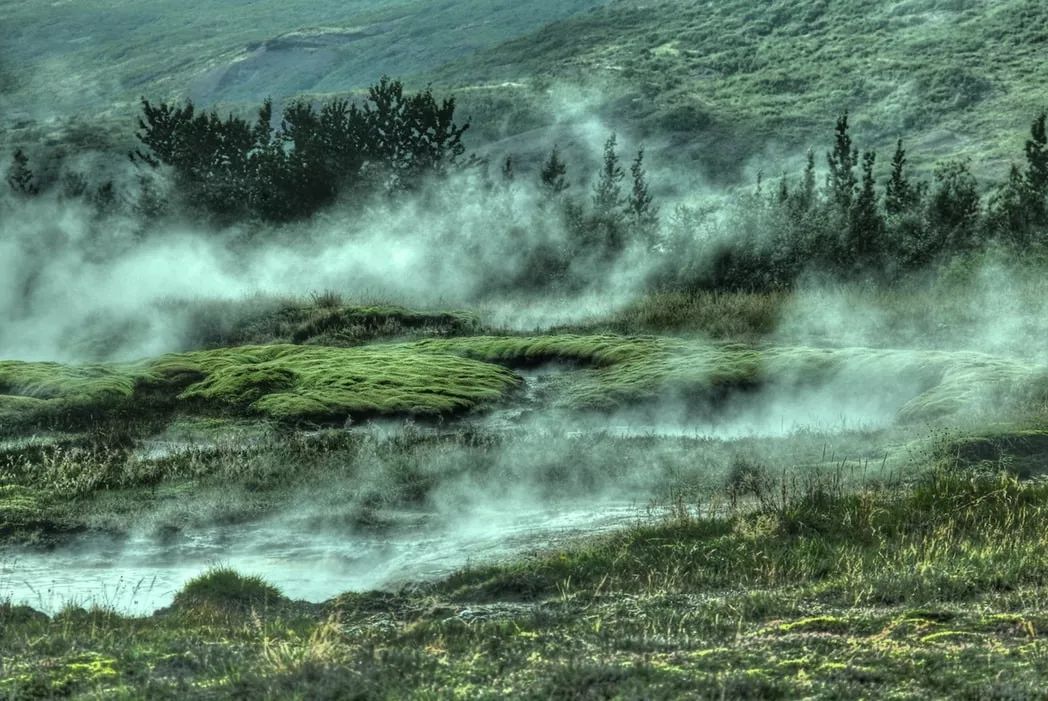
717,83
713,89
101,53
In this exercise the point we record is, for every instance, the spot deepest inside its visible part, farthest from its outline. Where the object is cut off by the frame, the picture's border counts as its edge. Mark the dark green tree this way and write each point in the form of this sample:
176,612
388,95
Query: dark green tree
410,136
20,178
1010,216
553,174
508,175
900,195
234,168
954,207
842,160
866,226
607,193
1037,170
641,210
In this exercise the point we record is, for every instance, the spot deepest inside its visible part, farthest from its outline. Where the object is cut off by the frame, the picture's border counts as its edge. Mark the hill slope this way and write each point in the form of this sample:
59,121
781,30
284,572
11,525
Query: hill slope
97,52
718,82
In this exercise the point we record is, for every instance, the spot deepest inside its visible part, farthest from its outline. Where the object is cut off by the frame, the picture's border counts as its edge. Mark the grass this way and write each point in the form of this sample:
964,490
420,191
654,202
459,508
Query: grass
324,319
285,382
629,370
306,382
828,593
223,590
718,85
159,50
440,377
808,565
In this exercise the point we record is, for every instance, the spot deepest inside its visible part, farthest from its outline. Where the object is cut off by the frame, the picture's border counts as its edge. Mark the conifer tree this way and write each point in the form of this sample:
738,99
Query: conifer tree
866,225
842,161
1037,169
783,195
900,194
801,199
21,178
640,207
553,174
607,193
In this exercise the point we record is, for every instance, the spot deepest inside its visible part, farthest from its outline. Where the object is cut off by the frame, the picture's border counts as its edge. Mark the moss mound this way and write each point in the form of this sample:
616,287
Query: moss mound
20,507
223,589
441,377
284,382
625,370
311,382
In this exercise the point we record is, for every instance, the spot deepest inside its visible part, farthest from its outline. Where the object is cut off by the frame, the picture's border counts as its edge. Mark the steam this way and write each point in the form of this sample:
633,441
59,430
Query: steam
69,277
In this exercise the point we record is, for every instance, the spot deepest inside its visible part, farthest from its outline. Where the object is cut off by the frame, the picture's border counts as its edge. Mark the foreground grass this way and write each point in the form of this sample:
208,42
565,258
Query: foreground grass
933,588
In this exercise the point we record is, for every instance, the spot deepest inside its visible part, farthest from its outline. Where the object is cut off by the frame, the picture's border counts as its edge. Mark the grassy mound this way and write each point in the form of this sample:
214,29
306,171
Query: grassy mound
439,377
30,392
282,382
352,325
222,589
324,319
626,370
1024,453
312,382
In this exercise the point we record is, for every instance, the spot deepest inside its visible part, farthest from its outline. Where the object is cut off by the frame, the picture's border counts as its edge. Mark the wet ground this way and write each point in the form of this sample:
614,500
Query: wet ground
142,574
316,561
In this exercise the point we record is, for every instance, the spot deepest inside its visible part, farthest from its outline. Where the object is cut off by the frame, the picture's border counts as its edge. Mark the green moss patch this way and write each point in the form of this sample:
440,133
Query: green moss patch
305,382
279,381
225,590
627,370
439,377
20,507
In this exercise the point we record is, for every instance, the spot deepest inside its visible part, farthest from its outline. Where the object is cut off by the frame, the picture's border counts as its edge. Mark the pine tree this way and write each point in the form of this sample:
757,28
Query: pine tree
842,161
607,193
802,199
640,207
1037,169
866,225
954,205
553,174
21,178
900,194
1009,212
783,195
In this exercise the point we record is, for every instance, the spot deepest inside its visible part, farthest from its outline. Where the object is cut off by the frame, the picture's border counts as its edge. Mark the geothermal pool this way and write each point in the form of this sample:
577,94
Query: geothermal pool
141,574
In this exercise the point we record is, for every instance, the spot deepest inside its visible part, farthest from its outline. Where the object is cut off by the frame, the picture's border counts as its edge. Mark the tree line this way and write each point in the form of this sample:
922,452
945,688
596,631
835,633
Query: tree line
314,156
854,226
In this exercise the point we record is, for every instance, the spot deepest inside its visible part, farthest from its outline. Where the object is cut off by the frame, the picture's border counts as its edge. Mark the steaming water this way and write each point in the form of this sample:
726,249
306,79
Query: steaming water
844,404
140,575
307,562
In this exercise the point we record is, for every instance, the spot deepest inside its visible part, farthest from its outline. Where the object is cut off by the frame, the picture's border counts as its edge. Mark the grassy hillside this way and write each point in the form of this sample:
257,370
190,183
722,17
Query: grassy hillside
716,83
707,87
106,54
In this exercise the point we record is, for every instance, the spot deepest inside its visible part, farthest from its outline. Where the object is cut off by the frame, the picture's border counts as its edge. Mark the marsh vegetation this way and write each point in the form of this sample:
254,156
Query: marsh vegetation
497,388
